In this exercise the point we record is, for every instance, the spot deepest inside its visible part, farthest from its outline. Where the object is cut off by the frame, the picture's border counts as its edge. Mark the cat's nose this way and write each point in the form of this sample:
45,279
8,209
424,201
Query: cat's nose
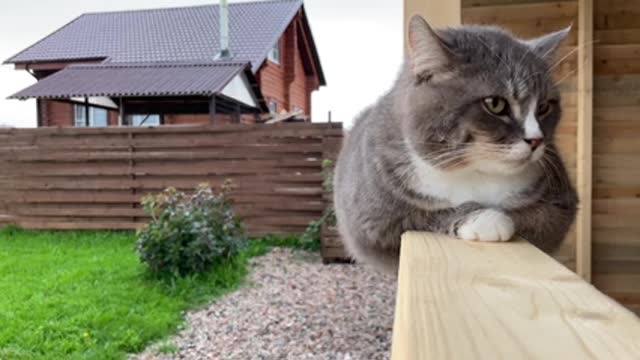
534,142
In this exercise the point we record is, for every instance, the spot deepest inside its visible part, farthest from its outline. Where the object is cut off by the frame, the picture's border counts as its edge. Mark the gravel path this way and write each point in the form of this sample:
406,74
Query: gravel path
294,308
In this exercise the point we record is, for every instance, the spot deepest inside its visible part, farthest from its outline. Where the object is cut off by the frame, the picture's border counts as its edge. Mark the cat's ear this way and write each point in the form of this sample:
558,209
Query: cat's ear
547,45
427,52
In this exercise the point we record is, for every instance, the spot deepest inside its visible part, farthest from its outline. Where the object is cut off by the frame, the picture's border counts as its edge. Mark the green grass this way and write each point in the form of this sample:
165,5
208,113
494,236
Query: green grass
85,295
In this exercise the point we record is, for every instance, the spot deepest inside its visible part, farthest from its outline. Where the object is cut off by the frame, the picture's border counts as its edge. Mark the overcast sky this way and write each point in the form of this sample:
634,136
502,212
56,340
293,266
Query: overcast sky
359,41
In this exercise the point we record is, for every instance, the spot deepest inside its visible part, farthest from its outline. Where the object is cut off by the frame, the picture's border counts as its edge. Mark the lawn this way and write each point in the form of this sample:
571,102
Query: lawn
85,295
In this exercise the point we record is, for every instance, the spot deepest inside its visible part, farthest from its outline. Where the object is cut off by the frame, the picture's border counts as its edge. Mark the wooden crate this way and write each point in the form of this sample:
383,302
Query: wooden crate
332,247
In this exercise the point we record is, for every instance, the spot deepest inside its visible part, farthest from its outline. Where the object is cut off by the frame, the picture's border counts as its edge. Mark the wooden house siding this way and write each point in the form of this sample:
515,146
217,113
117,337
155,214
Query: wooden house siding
198,119
60,114
287,83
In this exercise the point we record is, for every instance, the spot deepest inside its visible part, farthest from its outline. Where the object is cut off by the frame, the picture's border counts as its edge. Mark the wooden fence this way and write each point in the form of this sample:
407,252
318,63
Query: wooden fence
472,300
53,178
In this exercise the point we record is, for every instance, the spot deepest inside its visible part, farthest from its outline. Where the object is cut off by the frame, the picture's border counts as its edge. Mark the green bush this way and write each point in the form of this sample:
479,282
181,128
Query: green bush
188,234
311,238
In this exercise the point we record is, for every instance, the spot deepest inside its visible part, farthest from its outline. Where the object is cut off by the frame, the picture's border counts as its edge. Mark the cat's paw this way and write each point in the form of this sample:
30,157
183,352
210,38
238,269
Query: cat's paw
487,225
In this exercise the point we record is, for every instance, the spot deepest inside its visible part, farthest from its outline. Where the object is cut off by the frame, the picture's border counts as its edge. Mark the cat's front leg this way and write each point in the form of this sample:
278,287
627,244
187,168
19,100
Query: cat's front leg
486,225
473,221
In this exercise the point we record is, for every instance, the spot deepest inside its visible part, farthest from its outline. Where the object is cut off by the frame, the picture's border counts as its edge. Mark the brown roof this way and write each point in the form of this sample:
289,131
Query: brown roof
137,79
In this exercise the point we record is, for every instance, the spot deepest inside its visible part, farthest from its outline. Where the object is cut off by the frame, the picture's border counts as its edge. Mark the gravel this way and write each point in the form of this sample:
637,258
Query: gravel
293,308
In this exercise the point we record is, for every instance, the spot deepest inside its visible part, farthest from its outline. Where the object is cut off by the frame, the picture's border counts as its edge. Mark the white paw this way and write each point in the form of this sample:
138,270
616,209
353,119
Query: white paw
487,225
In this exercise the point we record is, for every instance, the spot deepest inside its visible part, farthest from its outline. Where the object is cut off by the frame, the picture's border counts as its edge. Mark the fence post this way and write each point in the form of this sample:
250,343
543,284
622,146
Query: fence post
332,248
585,137
132,169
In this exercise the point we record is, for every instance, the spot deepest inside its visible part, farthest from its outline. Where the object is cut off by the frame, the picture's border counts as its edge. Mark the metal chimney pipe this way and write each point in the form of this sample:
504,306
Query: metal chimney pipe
225,51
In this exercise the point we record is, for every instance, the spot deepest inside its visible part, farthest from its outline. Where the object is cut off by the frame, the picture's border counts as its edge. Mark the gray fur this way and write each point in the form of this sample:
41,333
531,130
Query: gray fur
435,109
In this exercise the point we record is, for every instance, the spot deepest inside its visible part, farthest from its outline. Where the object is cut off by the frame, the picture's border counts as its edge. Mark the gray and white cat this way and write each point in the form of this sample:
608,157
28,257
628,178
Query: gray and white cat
461,145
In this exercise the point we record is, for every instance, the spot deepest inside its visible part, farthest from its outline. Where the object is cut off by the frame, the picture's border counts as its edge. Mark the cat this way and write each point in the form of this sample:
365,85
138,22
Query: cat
461,145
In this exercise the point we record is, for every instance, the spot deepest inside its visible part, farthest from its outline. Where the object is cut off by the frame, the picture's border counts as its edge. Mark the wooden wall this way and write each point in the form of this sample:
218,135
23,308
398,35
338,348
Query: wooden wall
287,82
615,225
616,145
69,178
529,19
59,113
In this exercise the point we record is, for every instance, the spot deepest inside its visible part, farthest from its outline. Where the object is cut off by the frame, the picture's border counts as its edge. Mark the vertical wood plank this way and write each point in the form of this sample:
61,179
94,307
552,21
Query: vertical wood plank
585,137
438,13
122,116
212,110
472,300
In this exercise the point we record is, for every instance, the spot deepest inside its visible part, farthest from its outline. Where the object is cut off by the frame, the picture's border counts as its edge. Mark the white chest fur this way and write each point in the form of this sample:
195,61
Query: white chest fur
462,186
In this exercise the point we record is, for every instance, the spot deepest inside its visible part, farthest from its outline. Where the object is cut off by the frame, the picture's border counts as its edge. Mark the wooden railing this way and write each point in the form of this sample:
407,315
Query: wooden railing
470,300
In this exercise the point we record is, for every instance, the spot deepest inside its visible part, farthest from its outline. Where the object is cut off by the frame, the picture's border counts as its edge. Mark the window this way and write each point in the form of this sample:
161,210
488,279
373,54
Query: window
80,117
273,106
274,54
98,117
145,120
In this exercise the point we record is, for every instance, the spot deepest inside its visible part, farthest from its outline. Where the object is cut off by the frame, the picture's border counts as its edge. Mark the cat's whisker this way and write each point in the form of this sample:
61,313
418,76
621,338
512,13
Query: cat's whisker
481,41
565,77
544,168
444,158
556,172
494,146
576,49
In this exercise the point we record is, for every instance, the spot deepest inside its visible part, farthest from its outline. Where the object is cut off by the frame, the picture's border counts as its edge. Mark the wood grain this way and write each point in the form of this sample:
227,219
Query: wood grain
470,300
585,138
438,13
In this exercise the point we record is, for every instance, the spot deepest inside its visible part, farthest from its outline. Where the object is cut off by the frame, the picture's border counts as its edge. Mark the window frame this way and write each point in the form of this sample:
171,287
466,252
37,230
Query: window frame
275,54
92,116
132,118
80,116
274,109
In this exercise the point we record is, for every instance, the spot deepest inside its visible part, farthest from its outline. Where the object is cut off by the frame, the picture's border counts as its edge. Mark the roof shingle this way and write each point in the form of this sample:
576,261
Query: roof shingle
165,35
135,79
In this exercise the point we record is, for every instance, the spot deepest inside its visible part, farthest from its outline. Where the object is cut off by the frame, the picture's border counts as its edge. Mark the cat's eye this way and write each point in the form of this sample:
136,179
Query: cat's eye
544,108
496,105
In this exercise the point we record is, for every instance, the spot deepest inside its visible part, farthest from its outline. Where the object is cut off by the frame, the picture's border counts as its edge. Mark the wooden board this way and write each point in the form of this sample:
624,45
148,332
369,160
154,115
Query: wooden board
470,300
616,171
438,13
585,138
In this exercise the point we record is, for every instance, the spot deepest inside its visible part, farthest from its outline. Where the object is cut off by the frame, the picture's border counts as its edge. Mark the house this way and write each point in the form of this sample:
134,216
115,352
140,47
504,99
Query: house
202,64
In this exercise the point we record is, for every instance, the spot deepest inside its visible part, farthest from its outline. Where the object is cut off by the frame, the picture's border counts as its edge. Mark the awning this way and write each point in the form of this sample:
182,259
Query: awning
116,80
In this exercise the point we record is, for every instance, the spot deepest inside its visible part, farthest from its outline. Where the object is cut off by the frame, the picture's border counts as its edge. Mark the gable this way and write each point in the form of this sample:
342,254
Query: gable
304,45
239,89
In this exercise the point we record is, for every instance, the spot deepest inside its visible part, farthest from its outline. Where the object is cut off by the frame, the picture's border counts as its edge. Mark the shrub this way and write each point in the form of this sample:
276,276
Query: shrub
311,238
188,234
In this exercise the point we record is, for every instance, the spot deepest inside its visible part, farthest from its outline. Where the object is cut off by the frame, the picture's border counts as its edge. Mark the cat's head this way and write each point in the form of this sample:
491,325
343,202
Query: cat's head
476,97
